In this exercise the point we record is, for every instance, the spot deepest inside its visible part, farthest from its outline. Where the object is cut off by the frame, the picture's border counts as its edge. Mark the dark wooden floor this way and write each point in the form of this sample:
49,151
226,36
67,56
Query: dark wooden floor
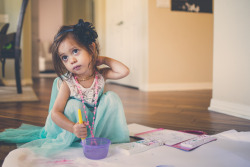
176,110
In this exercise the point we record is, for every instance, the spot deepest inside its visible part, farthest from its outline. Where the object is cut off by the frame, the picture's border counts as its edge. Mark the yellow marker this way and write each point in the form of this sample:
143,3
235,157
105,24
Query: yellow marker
80,119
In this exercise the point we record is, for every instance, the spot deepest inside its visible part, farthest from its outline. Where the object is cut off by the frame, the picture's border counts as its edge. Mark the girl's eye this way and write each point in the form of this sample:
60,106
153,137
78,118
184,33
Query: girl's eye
64,58
75,51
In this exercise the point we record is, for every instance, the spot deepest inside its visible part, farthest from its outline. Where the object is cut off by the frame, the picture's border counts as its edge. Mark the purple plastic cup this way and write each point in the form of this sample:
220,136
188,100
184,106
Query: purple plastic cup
95,148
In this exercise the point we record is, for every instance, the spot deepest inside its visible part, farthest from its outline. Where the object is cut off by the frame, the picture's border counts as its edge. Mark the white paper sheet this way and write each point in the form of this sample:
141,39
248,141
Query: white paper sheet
168,137
224,152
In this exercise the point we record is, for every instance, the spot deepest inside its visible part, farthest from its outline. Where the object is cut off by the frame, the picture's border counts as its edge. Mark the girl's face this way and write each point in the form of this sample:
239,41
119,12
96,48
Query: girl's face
75,57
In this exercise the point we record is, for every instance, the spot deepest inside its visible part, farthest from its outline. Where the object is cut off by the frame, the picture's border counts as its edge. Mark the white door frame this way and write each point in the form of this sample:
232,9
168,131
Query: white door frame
138,60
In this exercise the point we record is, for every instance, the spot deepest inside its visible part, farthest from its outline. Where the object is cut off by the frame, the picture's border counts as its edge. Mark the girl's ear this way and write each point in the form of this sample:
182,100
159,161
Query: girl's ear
93,44
92,47
93,55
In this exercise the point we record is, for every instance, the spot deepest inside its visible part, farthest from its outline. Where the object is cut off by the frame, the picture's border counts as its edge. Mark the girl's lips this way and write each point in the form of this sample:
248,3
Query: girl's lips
77,68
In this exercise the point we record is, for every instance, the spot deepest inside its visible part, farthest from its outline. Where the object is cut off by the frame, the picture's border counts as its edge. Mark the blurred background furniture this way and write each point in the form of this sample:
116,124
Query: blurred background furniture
3,44
5,28
10,47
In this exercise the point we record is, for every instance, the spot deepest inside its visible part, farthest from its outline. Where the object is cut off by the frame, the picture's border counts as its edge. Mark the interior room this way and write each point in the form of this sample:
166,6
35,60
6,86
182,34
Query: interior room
188,62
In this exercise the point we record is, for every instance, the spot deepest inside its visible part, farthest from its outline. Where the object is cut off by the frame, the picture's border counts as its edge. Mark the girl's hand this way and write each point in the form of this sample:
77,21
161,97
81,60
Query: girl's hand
100,61
80,130
113,70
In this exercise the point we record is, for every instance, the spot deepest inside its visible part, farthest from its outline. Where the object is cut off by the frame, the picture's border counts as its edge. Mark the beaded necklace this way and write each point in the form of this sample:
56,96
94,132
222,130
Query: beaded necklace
87,78
95,103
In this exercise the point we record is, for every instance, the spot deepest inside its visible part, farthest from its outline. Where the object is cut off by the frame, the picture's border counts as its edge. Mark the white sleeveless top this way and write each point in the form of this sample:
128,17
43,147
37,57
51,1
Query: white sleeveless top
88,93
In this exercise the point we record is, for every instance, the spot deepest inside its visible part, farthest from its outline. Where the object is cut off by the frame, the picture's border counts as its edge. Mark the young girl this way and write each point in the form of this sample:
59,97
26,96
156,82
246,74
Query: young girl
79,86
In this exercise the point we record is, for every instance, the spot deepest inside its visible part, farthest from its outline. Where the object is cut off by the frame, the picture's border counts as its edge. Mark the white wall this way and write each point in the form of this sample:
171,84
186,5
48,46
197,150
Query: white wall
99,22
50,18
231,58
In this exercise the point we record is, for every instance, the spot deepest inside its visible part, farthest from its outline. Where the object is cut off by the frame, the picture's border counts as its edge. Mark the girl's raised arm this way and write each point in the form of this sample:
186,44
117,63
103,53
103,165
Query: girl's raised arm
115,69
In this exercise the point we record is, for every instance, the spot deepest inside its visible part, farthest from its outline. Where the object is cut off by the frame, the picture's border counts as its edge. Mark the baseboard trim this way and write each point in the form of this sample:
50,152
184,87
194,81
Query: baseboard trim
12,82
179,86
229,108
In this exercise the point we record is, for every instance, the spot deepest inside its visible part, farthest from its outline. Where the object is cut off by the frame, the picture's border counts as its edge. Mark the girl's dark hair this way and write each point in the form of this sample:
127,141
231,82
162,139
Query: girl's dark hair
85,34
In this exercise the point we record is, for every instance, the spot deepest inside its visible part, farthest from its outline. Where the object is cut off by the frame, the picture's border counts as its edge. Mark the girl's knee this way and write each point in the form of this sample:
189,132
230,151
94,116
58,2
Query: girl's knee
71,109
112,102
111,96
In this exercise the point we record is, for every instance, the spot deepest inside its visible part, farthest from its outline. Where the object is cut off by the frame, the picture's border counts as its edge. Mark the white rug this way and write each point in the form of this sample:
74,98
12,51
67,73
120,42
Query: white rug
9,94
230,150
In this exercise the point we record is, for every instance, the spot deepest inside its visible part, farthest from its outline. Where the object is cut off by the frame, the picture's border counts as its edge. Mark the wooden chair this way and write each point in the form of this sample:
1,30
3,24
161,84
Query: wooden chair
10,47
5,28
3,32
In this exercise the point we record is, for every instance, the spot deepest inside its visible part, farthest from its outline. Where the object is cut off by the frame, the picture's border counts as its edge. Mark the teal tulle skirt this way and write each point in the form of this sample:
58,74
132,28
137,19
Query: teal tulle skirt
110,123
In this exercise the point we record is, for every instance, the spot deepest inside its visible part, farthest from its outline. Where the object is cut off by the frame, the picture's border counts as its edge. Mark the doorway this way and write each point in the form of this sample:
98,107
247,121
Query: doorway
126,38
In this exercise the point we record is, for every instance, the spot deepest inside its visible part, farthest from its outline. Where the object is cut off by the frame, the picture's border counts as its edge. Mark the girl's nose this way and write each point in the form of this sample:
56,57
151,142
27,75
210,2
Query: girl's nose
73,60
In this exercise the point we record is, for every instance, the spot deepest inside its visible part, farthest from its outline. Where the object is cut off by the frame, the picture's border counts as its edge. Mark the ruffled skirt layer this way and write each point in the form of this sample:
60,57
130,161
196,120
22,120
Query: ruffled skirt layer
110,123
